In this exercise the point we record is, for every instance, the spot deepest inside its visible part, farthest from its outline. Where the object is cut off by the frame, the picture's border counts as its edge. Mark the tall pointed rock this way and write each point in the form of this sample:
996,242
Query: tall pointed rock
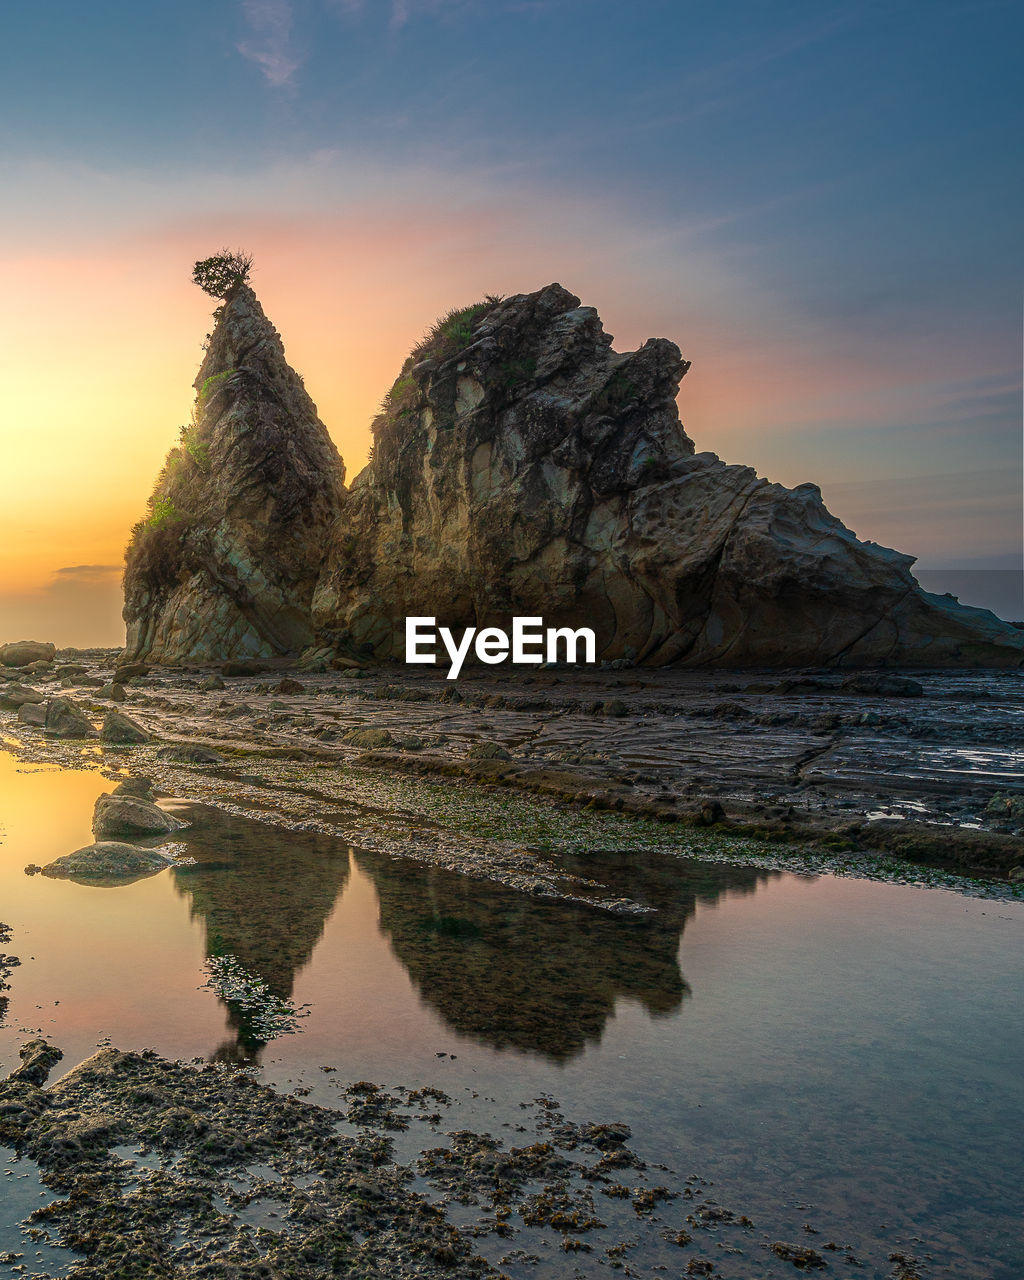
226,561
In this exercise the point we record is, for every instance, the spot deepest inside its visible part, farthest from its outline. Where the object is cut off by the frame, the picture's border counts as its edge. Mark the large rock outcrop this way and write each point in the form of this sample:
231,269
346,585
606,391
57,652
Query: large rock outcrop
226,562
521,466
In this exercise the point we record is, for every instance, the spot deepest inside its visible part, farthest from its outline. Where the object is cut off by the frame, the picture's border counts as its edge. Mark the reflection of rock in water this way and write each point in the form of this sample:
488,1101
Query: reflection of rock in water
536,974
264,896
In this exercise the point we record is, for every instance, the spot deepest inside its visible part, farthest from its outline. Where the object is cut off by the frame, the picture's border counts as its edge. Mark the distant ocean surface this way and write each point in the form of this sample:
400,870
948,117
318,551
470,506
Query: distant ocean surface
1001,590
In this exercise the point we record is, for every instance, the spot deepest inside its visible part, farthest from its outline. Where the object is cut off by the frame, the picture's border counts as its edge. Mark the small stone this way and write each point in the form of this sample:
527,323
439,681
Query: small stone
800,1256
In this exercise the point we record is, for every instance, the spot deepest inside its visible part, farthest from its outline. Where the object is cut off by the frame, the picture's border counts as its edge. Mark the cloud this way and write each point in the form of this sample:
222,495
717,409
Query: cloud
401,12
87,572
270,22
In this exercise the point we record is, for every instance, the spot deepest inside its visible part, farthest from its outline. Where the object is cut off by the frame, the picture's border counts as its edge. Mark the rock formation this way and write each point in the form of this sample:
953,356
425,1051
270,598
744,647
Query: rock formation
520,466
226,562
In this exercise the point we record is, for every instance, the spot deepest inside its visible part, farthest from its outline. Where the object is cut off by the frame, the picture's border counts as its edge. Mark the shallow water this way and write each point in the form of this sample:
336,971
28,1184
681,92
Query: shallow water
826,1050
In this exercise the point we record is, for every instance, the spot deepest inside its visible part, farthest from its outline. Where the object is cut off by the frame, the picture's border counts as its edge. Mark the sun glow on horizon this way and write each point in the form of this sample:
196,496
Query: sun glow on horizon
102,341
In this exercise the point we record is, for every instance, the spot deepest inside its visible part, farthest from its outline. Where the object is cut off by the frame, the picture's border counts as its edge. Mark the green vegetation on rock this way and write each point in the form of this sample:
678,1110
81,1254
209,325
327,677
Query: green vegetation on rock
453,332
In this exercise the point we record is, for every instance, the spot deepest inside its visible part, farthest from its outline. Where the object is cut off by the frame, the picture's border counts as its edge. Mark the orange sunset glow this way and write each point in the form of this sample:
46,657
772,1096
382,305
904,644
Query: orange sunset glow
101,347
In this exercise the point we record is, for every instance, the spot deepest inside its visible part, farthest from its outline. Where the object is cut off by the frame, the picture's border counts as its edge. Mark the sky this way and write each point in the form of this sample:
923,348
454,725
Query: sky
819,202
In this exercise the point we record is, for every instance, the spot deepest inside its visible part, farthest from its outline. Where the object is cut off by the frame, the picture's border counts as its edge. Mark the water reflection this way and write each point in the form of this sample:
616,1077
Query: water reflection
506,970
539,975
263,896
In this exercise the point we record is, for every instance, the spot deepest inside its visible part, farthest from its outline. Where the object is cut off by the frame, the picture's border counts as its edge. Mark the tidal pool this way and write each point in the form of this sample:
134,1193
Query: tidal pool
829,1051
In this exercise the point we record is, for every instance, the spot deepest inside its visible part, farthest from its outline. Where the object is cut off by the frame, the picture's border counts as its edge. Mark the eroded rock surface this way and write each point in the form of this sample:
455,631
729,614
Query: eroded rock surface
227,559
521,466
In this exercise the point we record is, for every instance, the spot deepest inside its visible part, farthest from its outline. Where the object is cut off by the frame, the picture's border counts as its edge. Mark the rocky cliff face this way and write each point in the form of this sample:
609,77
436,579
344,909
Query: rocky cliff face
226,561
521,466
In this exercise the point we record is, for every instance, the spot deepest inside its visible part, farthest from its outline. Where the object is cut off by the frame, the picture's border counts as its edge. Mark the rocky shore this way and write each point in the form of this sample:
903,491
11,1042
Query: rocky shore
496,777
164,1169
170,1171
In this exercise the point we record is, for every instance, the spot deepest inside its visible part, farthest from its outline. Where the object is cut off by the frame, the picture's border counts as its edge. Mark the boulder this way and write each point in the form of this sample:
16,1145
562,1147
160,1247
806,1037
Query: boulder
33,713
22,652
211,684
242,667
226,563
113,692
65,720
128,815
107,860
126,671
119,728
17,695
288,685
